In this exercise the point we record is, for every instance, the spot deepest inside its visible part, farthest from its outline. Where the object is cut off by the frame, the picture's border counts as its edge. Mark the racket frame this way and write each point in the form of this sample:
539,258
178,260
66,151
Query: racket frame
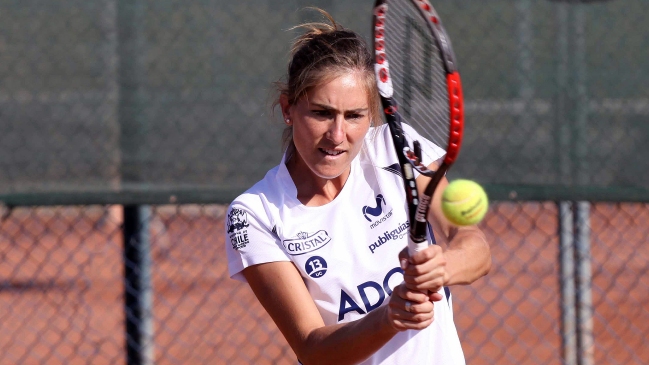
410,160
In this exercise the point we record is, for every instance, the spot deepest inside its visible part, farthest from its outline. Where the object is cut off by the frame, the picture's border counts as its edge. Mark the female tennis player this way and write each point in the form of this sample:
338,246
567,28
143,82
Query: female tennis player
321,238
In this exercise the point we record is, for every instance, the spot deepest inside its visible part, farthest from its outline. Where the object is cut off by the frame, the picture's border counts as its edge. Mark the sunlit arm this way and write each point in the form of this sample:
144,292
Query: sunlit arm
283,294
467,253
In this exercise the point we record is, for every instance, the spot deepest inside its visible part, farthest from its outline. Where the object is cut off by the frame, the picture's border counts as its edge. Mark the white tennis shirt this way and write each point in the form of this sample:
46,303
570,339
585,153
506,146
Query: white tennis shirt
347,250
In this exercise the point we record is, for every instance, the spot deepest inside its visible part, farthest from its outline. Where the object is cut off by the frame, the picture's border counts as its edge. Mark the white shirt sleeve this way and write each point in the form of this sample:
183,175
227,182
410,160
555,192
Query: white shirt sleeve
250,237
430,152
382,151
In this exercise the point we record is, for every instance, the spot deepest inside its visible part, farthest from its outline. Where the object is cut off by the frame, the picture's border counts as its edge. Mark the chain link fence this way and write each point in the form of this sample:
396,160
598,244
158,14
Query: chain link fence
62,288
107,104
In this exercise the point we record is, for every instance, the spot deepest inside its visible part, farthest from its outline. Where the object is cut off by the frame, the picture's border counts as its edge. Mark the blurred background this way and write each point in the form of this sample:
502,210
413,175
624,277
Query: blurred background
127,126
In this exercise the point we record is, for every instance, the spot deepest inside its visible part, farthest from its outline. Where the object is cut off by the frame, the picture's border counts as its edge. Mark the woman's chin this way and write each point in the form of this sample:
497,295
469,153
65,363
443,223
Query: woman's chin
330,174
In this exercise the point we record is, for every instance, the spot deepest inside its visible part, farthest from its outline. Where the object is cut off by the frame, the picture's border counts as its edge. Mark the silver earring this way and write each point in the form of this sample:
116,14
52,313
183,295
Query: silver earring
288,120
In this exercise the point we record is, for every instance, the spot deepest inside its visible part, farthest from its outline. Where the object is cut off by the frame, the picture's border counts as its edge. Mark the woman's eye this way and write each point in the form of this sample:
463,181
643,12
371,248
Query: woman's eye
321,113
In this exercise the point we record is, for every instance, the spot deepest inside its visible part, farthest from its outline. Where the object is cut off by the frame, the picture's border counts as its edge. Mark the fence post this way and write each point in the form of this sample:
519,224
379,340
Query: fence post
567,283
565,164
585,344
138,290
133,130
585,341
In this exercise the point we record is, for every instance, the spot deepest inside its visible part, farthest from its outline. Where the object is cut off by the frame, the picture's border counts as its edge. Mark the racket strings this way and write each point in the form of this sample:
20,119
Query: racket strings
418,74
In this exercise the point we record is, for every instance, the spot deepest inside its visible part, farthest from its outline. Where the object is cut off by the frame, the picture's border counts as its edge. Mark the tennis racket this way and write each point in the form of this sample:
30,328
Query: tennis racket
420,88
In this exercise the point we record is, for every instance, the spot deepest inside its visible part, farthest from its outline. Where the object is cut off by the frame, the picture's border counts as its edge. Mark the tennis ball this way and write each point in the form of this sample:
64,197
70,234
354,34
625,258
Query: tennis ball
464,202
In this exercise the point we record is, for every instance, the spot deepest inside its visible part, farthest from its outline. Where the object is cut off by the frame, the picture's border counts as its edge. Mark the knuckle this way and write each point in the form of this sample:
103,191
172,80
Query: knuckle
431,252
400,290
428,307
423,321
421,279
398,326
418,270
408,295
425,311
413,296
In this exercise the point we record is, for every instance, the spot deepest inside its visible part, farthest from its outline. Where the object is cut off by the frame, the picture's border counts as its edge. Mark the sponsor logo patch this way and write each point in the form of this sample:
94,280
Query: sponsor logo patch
237,228
375,214
371,293
316,267
394,234
306,242
374,211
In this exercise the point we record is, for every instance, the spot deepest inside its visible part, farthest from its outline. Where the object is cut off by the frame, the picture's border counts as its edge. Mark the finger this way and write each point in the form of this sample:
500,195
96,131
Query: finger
408,301
425,255
404,314
437,277
415,296
412,312
428,282
403,325
436,266
436,297
418,308
404,256
426,275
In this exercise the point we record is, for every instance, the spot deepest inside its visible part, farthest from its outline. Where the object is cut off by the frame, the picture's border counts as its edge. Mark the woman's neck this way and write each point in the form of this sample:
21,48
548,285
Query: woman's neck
313,190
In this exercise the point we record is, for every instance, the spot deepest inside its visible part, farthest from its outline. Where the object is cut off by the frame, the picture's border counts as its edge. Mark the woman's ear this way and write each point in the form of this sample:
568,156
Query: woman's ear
286,109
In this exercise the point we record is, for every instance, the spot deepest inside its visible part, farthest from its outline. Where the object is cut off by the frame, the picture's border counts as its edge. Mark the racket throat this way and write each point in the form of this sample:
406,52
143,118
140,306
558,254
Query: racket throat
420,222
414,159
422,210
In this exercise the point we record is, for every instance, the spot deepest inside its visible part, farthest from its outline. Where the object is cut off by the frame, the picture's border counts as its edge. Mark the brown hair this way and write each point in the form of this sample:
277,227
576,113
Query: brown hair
322,53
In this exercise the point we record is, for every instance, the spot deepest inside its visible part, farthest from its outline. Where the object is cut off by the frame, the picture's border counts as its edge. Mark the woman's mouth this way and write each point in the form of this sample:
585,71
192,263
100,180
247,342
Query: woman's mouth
331,152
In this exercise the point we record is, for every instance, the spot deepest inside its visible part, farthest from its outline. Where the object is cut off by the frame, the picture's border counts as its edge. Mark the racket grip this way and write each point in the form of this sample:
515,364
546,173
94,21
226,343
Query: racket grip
415,245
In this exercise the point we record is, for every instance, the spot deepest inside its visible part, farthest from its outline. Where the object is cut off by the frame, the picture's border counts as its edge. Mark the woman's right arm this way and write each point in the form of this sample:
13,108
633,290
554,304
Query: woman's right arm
282,292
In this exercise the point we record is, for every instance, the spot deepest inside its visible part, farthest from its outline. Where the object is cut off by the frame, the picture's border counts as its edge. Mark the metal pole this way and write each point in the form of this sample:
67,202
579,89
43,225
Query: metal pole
566,219
133,128
567,283
138,291
585,342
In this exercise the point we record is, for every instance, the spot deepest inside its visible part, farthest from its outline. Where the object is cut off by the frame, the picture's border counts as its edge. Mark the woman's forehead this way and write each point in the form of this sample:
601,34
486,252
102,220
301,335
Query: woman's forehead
347,90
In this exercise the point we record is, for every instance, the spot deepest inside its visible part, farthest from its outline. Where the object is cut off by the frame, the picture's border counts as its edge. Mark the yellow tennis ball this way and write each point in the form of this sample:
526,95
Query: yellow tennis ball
464,202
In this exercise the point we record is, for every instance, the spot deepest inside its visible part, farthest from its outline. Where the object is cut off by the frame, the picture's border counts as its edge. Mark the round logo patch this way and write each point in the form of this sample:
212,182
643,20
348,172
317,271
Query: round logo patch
316,267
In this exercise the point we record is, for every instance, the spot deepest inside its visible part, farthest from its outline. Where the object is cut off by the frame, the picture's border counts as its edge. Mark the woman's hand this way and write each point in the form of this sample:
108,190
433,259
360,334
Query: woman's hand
425,271
409,309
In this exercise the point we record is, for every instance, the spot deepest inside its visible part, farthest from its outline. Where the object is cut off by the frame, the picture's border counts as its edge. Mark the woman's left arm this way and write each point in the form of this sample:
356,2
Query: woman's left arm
461,256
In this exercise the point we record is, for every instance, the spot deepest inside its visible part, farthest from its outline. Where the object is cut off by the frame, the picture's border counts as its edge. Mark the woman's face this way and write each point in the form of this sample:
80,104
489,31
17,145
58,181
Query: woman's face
329,125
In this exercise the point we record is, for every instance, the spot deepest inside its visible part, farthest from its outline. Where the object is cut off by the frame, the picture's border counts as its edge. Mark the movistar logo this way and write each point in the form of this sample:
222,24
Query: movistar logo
376,215
374,211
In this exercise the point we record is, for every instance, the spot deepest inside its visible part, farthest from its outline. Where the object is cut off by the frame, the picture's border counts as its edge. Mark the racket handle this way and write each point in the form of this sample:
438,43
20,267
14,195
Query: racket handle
415,245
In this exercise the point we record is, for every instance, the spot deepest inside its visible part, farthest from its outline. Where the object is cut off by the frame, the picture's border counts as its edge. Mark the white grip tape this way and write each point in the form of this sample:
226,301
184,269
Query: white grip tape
414,247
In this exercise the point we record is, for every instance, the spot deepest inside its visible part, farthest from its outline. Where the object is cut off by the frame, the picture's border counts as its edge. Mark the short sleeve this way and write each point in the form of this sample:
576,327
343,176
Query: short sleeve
430,151
250,239
381,148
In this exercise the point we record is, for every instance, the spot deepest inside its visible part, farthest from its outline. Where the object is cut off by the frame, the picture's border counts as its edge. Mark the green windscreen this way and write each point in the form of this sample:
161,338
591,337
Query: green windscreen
170,101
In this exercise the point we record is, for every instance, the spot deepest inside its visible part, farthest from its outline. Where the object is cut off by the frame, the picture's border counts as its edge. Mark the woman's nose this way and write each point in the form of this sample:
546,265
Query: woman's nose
336,131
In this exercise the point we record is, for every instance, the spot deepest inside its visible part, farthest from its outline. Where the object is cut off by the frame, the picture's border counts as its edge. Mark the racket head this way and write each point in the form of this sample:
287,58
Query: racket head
421,92
415,67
